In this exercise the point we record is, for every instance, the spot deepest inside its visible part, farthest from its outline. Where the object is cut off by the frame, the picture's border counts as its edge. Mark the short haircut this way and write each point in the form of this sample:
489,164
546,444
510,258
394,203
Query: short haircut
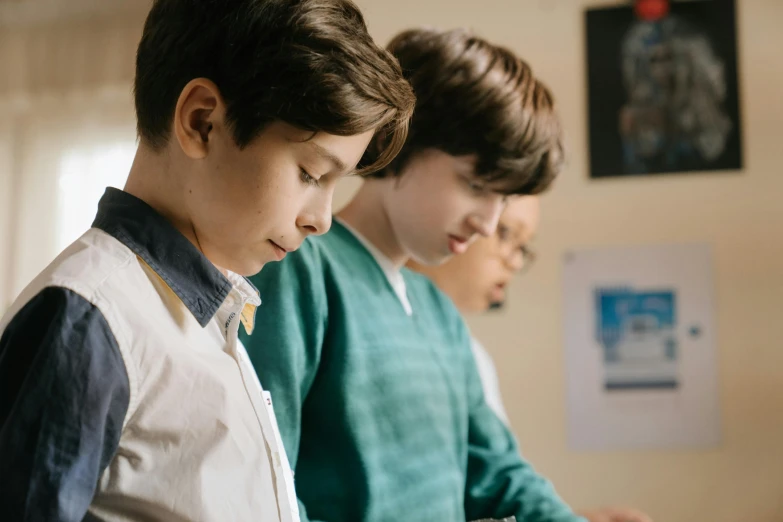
473,97
308,63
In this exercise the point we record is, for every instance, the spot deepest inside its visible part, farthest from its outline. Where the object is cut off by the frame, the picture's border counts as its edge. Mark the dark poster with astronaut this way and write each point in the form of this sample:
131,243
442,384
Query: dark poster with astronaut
662,88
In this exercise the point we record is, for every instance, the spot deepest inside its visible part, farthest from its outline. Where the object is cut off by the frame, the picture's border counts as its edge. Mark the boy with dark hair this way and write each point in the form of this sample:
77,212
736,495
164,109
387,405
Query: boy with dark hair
124,391
386,419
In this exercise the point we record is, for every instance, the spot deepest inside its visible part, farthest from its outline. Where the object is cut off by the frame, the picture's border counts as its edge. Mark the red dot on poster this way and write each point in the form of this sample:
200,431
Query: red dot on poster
651,10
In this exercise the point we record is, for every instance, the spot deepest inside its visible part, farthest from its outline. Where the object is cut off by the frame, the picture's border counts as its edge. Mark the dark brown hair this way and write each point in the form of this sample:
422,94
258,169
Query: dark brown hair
473,97
309,63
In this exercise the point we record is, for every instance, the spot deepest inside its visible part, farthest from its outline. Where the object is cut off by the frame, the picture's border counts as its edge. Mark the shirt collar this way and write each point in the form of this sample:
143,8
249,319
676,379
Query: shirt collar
390,270
190,275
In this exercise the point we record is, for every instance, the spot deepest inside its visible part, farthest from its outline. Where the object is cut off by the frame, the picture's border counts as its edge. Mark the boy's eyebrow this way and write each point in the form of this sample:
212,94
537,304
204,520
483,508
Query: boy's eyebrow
326,154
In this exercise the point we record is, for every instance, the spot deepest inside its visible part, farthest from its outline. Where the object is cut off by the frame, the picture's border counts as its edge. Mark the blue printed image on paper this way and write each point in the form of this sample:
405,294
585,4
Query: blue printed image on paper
636,330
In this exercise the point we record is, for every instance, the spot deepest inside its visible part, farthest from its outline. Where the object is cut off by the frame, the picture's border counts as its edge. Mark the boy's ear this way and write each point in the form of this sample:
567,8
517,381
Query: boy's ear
199,109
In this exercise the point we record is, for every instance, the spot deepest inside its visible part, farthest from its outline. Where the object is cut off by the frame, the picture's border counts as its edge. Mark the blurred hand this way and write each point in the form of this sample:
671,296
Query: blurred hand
610,514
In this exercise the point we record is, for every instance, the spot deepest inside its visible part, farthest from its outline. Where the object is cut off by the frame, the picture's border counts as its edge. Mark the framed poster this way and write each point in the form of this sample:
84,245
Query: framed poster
640,348
663,95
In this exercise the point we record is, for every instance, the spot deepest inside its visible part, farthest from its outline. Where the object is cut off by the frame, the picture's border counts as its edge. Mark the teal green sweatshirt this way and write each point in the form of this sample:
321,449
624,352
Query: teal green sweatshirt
382,413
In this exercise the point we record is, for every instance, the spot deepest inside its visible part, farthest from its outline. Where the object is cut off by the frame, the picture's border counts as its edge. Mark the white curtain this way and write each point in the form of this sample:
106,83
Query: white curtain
68,131
68,154
65,154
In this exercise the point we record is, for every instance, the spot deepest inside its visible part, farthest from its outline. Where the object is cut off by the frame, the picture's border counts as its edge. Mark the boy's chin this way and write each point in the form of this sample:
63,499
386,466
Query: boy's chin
431,259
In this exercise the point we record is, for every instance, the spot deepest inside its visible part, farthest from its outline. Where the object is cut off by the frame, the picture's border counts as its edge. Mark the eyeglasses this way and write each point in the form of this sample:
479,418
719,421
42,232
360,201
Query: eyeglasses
514,250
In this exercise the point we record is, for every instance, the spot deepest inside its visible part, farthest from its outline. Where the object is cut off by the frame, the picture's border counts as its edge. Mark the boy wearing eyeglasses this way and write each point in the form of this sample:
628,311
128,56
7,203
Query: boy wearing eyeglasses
476,281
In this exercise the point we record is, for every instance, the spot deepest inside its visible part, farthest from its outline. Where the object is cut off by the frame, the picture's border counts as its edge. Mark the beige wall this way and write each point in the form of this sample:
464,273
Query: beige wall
739,214
6,210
